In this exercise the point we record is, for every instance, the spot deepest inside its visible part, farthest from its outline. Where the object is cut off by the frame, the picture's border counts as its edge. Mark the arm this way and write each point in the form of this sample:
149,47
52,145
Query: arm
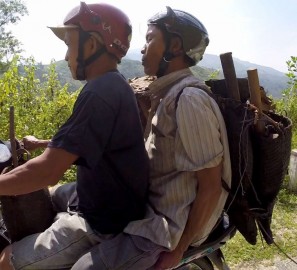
201,140
46,169
208,193
32,143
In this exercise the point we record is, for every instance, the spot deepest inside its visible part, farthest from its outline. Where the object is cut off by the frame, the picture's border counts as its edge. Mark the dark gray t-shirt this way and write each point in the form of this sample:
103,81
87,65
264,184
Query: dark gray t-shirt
104,130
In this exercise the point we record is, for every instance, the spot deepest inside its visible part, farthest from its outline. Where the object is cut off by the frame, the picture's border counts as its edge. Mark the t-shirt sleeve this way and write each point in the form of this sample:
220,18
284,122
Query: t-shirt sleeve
198,133
87,131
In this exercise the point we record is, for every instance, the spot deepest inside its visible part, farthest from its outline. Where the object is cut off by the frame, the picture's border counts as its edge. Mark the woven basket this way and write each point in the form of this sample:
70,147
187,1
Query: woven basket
239,120
27,214
271,160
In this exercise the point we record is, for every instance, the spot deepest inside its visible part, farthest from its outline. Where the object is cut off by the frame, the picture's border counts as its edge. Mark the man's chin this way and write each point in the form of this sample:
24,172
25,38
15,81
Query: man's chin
148,72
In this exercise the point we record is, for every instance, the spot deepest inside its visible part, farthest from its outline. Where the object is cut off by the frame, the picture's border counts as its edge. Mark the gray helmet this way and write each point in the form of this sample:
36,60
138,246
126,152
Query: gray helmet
191,31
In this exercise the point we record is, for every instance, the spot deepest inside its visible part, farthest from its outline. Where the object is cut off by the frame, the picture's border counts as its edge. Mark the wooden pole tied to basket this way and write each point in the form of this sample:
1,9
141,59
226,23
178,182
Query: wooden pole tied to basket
230,75
255,97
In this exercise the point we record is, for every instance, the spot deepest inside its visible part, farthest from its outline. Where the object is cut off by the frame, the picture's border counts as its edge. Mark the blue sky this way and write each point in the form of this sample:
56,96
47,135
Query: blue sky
263,32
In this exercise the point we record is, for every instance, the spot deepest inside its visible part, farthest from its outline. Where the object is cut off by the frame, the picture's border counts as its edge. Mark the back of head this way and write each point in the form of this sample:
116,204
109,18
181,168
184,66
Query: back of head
192,32
112,25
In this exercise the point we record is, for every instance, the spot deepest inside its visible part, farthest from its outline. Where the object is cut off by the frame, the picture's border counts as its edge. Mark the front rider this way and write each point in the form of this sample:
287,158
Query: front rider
188,149
103,137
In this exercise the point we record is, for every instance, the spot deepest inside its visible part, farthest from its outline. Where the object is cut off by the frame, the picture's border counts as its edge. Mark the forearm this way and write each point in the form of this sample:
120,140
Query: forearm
26,178
209,189
199,215
42,171
42,143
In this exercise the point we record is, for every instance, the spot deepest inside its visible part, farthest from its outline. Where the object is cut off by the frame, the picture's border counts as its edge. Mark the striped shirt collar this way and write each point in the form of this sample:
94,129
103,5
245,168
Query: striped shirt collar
159,87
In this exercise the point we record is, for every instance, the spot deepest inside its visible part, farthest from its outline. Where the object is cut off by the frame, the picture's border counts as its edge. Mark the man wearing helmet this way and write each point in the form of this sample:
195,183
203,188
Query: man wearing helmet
187,144
103,137
186,139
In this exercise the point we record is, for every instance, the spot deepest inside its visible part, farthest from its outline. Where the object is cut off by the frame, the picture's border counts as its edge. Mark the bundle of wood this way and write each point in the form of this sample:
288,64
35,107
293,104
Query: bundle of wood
140,87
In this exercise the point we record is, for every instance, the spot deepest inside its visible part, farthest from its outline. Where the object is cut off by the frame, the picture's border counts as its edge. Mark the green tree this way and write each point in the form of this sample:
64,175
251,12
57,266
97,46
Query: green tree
40,108
288,103
10,13
292,72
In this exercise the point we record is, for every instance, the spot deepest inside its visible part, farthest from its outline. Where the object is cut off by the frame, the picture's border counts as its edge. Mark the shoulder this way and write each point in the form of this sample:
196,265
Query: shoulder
195,95
110,80
191,85
110,87
195,92
197,101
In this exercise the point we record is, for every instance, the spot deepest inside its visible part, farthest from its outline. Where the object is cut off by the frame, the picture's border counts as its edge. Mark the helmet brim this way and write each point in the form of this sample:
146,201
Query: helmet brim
60,31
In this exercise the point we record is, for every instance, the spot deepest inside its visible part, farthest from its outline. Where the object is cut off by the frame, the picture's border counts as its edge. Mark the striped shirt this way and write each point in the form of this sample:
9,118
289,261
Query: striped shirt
180,141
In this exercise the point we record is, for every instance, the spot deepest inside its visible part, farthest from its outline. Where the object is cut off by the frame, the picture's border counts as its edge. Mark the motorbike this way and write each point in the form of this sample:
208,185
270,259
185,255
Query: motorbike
15,224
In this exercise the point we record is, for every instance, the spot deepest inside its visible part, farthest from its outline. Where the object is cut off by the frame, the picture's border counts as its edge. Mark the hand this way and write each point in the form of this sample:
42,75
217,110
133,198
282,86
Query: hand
168,260
30,143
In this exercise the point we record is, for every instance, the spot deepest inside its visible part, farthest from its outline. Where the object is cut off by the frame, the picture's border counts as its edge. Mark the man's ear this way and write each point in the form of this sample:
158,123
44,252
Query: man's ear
176,46
91,45
94,44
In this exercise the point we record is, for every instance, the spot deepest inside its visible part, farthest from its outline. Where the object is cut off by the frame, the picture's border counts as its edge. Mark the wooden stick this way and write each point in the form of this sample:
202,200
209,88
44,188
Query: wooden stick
255,96
266,118
12,138
230,75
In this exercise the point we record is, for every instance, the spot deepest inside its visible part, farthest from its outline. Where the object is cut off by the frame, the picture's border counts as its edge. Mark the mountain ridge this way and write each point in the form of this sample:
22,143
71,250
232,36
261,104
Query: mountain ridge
273,81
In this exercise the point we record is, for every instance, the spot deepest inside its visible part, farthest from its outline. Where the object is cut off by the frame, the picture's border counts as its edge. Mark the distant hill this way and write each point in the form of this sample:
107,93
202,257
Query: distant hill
272,80
129,68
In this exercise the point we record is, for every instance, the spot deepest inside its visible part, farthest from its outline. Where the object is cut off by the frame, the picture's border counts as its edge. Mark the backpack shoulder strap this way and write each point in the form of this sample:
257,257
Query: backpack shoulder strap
202,87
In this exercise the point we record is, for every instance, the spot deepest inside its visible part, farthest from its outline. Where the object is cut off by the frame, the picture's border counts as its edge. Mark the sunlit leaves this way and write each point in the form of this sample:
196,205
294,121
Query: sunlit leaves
40,108
288,103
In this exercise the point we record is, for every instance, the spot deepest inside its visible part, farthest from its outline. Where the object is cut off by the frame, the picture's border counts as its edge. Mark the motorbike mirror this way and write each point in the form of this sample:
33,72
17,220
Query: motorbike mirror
5,153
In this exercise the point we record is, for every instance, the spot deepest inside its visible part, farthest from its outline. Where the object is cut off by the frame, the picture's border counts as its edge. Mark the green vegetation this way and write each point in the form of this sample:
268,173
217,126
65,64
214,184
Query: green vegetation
288,103
238,252
40,108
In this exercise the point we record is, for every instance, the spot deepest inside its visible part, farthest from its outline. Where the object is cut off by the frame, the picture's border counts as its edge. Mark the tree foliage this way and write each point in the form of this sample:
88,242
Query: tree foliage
11,12
40,108
288,103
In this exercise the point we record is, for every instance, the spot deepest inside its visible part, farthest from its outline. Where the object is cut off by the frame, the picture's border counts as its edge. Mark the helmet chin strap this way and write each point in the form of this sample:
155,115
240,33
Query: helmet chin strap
167,56
81,63
166,59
